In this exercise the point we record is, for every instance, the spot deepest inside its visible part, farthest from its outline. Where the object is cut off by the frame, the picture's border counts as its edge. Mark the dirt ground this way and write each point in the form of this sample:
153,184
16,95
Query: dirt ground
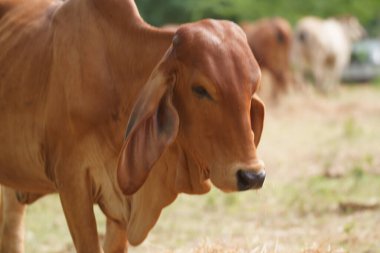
321,194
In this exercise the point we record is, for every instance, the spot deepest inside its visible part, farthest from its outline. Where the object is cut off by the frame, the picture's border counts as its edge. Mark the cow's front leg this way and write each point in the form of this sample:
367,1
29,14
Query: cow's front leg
75,191
116,238
12,222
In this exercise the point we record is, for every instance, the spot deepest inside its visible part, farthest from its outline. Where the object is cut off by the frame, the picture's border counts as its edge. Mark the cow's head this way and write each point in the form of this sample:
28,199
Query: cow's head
201,96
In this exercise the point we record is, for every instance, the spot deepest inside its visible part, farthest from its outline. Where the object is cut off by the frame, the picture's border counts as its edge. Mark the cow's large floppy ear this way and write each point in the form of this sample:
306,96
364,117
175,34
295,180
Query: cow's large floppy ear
257,117
152,127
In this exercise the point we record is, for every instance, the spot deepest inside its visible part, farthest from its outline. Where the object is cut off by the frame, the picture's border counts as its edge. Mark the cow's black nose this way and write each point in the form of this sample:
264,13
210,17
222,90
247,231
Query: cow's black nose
250,180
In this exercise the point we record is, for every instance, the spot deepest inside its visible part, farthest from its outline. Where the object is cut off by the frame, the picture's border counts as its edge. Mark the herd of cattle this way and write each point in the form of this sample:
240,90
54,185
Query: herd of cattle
105,109
317,49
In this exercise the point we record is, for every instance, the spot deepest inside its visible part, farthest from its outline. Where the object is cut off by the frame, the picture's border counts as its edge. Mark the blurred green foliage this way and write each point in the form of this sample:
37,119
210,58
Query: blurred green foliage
320,194
159,12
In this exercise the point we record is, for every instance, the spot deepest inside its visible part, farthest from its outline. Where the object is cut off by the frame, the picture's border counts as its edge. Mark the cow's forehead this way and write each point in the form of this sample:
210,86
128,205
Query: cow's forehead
219,50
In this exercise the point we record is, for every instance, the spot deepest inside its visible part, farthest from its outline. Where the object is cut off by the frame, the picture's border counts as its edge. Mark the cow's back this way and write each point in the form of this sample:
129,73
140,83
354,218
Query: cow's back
25,59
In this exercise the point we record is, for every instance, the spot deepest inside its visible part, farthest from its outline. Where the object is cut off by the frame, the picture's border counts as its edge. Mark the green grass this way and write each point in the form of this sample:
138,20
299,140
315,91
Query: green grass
351,128
376,82
319,194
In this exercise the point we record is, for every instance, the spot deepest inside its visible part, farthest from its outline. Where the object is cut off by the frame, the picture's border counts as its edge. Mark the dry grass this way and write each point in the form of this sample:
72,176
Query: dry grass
320,152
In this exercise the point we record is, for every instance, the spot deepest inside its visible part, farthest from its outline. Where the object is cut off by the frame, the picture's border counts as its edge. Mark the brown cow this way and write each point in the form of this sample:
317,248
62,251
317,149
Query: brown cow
270,40
76,75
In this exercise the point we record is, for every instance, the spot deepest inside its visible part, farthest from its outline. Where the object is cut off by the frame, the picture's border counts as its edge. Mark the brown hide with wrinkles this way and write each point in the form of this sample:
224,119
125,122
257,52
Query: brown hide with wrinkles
92,68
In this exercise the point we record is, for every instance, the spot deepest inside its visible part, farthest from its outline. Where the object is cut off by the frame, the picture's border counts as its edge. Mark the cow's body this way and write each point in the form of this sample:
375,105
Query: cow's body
72,74
24,86
55,105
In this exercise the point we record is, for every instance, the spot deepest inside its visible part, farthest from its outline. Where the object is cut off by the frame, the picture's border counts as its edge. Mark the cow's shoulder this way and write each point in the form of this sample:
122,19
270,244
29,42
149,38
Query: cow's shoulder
25,55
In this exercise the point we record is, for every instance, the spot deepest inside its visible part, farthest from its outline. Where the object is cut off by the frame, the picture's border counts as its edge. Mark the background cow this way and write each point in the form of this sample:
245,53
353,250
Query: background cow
270,40
77,76
323,47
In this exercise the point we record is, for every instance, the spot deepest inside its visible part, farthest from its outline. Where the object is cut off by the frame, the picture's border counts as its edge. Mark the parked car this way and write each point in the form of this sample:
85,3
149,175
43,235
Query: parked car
365,62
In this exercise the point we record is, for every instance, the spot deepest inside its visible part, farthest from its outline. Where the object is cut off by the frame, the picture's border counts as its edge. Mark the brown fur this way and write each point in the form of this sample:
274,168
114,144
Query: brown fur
270,41
90,69
7,5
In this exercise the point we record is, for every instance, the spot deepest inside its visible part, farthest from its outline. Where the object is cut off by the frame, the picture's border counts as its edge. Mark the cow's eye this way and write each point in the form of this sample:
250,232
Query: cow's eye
201,92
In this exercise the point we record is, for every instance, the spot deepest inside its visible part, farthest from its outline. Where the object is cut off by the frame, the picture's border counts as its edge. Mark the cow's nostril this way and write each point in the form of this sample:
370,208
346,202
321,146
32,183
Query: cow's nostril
249,180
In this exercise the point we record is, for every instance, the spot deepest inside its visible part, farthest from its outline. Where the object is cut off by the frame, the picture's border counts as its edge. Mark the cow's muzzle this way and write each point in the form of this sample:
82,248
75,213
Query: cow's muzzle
249,180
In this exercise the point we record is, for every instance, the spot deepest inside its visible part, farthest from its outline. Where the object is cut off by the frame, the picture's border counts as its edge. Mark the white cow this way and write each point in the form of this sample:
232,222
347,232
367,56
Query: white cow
322,48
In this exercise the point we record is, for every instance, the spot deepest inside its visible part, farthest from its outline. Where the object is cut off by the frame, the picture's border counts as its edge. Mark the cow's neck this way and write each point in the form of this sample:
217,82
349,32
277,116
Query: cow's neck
128,37
115,52
128,46
175,172
133,47
113,33
119,12
157,192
